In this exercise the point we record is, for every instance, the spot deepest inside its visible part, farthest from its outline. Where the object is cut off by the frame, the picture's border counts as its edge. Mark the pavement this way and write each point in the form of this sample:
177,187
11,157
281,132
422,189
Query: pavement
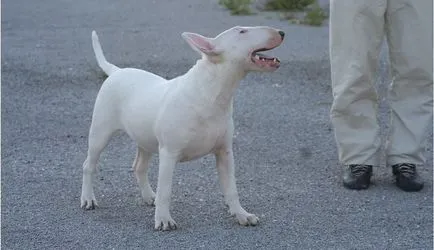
285,154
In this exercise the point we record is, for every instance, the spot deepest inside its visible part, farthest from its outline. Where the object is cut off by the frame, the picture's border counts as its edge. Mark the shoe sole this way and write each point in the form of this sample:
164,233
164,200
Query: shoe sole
409,189
356,186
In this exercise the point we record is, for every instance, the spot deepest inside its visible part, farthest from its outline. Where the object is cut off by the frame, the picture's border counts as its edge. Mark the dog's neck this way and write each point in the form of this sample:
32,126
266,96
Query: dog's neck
214,83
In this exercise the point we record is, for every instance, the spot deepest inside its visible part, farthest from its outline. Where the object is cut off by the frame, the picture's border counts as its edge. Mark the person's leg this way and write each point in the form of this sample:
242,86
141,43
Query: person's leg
409,36
356,35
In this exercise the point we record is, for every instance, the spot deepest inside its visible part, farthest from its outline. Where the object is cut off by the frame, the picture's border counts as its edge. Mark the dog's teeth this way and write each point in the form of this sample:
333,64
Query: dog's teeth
274,60
257,57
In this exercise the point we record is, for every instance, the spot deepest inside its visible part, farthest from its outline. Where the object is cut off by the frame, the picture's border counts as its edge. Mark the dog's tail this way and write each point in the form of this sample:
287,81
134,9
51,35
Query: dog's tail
107,67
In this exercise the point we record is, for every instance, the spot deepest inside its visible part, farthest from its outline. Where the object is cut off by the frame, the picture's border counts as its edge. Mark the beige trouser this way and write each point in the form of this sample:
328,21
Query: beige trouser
357,29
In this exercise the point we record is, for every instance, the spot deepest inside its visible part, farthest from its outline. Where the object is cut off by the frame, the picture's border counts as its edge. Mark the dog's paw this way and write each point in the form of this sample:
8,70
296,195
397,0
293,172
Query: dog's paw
165,223
149,199
246,219
88,203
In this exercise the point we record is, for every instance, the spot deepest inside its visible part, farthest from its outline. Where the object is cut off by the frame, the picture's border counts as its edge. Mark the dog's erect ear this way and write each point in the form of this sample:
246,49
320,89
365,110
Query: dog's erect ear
201,43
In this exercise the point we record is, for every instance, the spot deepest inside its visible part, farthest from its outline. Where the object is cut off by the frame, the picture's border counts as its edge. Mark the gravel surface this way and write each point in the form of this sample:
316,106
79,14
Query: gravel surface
285,153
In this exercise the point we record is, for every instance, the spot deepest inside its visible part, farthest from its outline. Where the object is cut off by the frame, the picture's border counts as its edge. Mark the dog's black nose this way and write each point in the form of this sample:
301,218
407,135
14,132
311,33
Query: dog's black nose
282,34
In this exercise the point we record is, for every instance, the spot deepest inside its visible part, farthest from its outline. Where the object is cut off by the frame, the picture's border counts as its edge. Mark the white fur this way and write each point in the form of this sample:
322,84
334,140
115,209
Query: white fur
180,119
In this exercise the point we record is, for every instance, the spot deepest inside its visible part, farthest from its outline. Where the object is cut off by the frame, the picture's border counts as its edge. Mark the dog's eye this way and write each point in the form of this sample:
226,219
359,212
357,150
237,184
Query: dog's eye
243,31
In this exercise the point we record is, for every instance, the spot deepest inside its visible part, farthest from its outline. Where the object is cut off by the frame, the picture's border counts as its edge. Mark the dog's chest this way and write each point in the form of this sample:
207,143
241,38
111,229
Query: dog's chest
204,137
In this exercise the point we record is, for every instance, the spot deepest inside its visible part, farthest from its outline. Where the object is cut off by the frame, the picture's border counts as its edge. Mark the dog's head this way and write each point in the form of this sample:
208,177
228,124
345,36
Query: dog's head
239,46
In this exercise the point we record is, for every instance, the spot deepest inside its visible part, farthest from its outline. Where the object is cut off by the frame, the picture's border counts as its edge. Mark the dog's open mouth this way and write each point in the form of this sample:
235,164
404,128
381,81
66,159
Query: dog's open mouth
263,60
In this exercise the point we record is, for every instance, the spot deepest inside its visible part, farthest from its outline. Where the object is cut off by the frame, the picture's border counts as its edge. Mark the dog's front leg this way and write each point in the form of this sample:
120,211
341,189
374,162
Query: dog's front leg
226,171
163,219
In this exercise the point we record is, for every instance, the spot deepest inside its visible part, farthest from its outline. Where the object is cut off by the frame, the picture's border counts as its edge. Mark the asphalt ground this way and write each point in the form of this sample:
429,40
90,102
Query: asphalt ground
286,161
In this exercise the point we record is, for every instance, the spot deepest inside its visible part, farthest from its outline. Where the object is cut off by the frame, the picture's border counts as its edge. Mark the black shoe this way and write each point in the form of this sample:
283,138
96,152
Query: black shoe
407,178
357,176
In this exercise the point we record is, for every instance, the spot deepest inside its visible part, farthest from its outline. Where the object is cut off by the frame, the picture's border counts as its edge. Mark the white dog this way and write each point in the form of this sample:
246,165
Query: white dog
180,119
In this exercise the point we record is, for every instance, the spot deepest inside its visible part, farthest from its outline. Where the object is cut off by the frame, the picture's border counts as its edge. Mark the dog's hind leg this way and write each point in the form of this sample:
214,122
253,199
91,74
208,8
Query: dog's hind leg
226,172
140,166
98,140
